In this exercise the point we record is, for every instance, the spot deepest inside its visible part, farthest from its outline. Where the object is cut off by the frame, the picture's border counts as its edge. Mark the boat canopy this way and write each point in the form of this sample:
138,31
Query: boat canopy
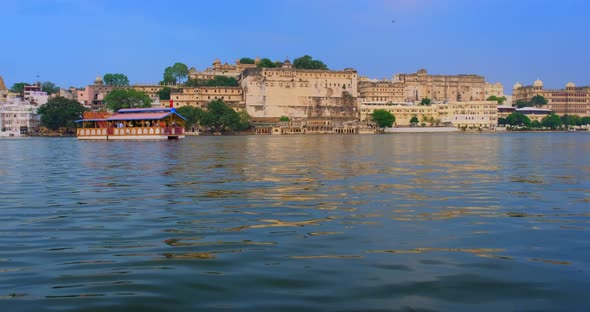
138,114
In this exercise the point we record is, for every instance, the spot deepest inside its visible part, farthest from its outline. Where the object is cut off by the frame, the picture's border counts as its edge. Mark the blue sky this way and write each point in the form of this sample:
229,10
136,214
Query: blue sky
70,41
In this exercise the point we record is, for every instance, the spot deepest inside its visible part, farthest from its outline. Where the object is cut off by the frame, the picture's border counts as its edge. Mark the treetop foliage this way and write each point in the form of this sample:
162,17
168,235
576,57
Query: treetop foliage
175,74
126,98
218,117
117,79
536,101
18,87
518,119
383,118
551,121
246,60
217,81
267,63
307,62
49,87
499,99
60,112
164,93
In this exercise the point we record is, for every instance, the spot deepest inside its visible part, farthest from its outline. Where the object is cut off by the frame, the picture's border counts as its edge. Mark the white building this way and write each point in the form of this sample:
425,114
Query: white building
18,117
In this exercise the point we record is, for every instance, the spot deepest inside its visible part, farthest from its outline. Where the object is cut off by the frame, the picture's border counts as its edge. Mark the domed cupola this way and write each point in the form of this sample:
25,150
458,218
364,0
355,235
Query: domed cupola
98,80
287,64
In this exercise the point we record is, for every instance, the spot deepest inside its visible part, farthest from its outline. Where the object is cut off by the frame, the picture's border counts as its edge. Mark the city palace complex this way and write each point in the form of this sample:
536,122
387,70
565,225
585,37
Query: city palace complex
324,101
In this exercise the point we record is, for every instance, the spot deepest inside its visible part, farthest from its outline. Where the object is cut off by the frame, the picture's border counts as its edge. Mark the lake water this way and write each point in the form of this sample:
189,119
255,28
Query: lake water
410,222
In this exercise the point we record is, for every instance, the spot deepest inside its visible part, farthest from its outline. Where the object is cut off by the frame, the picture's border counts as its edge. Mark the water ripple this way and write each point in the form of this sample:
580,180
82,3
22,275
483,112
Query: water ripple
425,222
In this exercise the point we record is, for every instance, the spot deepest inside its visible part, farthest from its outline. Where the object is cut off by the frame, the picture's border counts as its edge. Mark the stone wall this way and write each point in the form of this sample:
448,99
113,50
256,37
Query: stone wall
272,93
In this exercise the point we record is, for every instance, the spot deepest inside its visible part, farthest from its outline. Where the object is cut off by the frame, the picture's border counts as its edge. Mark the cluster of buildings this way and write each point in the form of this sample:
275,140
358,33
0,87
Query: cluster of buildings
18,112
343,101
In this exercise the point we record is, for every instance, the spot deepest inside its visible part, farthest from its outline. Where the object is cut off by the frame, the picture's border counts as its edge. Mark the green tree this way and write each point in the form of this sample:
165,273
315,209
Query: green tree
414,121
192,115
284,118
223,81
576,120
571,120
168,77
164,93
500,99
502,121
175,74
126,98
307,62
522,103
49,87
585,121
220,117
244,123
538,101
115,80
425,101
60,112
196,82
18,87
536,124
518,119
247,60
179,72
383,118
551,121
266,63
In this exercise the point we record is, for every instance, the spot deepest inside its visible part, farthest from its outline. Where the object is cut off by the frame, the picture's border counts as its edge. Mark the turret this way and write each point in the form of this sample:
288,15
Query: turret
98,80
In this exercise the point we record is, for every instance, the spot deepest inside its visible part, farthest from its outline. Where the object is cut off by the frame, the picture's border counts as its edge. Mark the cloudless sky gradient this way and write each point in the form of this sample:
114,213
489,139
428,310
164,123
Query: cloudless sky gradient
69,42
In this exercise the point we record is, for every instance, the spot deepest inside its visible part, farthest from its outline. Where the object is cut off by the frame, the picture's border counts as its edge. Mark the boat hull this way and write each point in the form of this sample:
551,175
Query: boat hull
127,134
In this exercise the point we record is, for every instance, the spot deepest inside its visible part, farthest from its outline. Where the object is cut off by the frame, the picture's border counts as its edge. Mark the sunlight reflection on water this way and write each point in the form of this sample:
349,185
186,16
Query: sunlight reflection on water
428,221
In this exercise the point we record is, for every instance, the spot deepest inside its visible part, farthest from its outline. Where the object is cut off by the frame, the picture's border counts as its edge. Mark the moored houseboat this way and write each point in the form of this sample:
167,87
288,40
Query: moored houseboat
132,124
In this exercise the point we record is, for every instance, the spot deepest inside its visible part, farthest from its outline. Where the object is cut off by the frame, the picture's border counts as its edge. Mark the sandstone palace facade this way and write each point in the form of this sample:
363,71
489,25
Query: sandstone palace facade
569,101
438,88
270,93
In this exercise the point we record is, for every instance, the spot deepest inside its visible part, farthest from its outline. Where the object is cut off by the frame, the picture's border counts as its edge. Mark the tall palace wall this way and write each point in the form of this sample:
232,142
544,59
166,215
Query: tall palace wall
297,93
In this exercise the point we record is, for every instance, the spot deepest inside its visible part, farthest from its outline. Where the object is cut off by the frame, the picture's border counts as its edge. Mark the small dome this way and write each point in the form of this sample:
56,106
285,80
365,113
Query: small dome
217,61
98,80
517,86
538,83
287,64
570,85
